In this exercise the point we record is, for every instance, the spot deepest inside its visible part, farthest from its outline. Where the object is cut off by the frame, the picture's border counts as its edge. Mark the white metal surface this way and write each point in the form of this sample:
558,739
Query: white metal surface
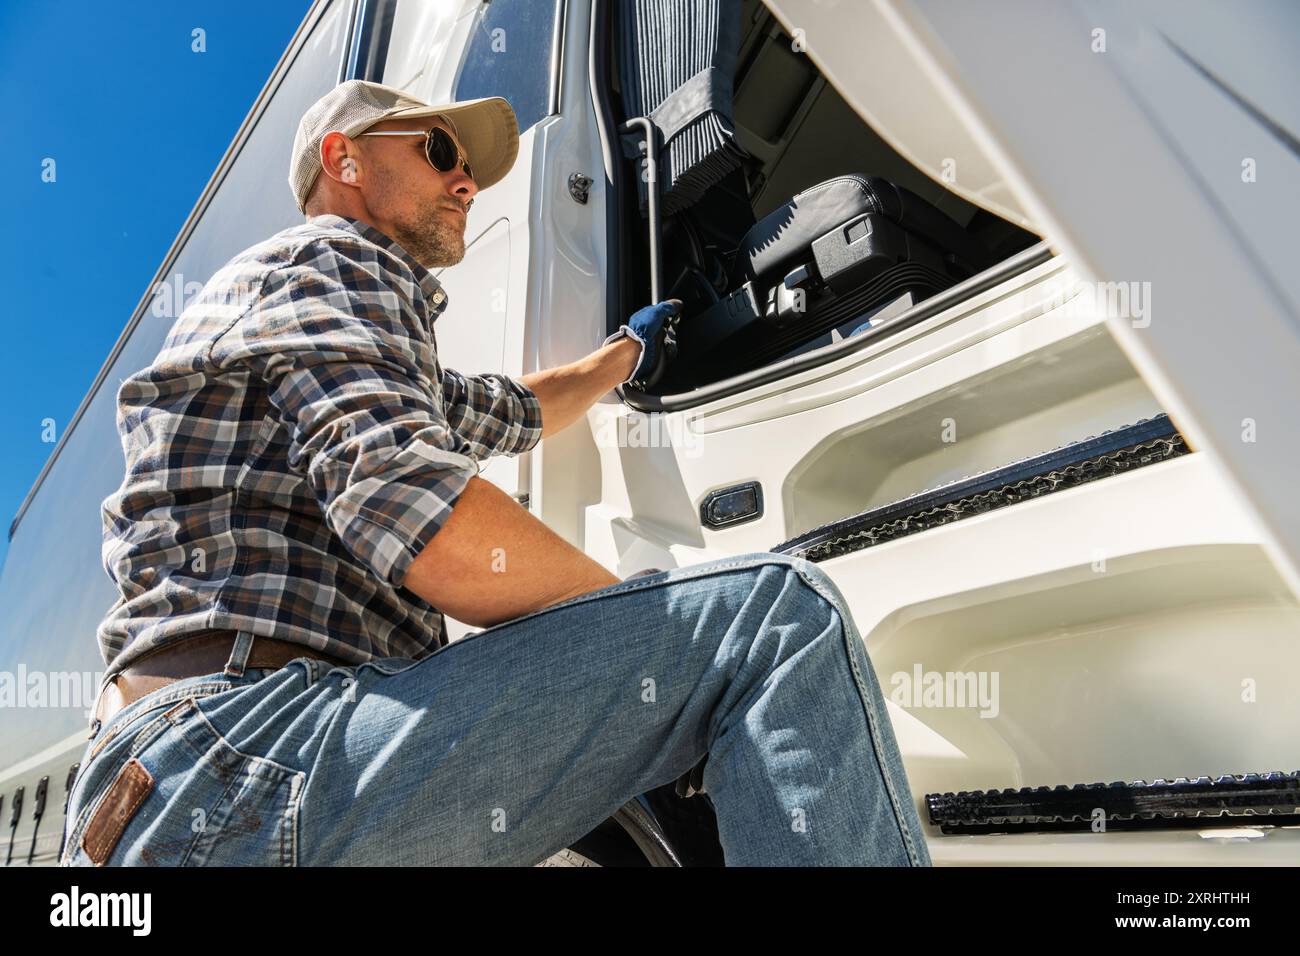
1125,618
1012,372
1133,161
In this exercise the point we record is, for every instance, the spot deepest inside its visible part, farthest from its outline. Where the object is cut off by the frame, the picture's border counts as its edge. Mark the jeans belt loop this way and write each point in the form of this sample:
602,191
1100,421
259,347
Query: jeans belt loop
239,654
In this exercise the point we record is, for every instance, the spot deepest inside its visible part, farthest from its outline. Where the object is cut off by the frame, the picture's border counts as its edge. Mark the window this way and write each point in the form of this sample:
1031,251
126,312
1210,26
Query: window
509,55
422,38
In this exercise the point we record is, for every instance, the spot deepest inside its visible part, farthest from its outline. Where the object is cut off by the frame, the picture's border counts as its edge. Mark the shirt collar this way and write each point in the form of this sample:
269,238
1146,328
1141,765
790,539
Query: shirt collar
429,285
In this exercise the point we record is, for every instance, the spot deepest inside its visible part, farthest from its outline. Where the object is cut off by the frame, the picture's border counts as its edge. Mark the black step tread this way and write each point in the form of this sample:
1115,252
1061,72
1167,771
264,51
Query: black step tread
1118,450
1230,798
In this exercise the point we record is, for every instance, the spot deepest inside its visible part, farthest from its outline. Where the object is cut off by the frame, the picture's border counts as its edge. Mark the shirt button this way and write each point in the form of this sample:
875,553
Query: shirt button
438,297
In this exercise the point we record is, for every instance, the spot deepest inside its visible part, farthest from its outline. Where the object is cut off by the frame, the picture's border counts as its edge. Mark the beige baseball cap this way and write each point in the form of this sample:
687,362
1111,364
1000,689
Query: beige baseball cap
486,127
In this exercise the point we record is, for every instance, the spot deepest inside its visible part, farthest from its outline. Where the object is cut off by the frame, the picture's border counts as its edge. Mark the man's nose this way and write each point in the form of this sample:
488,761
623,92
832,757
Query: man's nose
460,185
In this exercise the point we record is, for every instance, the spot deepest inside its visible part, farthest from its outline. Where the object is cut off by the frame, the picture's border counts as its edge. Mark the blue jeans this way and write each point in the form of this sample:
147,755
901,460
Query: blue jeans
510,744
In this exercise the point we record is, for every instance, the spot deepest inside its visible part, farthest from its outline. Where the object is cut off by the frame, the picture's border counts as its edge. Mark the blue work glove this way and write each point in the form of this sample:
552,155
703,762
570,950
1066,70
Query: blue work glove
655,327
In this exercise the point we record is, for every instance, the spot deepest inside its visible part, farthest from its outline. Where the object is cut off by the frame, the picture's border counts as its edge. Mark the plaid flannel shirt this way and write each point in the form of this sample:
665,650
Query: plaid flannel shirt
293,447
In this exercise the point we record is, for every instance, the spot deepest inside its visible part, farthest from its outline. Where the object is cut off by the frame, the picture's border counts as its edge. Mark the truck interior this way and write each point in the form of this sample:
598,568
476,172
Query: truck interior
820,231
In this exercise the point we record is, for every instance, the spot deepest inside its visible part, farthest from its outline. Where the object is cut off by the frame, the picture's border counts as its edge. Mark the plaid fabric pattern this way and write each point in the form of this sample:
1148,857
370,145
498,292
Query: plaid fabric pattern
293,447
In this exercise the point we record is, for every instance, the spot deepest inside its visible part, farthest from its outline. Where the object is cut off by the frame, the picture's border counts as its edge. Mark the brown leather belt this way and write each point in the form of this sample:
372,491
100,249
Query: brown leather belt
205,652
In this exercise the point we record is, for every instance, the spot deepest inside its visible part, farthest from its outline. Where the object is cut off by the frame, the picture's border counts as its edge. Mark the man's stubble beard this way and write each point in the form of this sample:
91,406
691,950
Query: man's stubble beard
433,239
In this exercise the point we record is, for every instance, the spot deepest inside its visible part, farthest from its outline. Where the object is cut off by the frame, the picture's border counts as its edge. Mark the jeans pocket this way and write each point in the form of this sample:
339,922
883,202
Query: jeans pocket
105,760
184,796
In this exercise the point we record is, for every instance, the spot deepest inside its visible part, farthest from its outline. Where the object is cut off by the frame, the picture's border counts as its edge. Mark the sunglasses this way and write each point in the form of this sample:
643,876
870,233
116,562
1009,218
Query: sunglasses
439,148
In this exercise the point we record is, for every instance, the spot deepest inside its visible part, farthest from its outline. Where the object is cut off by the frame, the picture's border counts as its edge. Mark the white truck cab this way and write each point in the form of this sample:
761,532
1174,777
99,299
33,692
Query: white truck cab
990,310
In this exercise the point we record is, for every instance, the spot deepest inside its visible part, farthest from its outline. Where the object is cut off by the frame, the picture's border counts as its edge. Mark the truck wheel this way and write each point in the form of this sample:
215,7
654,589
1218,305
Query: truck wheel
668,830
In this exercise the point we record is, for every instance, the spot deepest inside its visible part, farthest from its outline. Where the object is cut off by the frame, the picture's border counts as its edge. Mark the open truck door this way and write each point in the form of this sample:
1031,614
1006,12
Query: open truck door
1156,146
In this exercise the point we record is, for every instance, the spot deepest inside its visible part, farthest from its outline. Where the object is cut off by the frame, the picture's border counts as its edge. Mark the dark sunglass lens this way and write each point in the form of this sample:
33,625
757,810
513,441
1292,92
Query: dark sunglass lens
442,151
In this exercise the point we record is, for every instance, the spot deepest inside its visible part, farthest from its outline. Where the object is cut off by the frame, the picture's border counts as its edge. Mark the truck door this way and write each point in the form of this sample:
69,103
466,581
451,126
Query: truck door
462,49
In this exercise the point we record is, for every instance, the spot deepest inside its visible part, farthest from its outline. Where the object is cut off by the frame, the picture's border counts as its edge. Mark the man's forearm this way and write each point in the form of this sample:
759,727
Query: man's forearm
493,561
567,391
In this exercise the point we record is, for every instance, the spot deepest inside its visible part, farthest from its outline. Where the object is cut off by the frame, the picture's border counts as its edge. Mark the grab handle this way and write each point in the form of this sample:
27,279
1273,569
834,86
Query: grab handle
651,146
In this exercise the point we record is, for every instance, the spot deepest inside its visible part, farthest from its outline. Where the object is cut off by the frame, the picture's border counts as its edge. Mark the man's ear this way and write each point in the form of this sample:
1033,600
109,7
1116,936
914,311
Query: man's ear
338,158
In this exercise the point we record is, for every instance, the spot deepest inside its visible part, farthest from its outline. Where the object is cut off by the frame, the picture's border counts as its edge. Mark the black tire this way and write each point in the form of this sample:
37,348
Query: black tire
678,831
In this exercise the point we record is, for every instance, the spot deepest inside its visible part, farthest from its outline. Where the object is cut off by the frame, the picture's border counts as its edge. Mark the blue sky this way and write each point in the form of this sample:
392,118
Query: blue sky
135,121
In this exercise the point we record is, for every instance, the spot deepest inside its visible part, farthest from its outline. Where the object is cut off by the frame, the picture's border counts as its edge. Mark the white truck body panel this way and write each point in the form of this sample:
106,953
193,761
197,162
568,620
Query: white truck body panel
1125,619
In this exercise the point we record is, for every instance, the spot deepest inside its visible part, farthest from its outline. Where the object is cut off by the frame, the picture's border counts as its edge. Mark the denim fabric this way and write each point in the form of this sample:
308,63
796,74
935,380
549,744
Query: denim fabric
511,743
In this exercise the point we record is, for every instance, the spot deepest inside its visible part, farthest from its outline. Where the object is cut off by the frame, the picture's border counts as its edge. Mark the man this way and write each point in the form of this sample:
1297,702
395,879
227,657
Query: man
301,503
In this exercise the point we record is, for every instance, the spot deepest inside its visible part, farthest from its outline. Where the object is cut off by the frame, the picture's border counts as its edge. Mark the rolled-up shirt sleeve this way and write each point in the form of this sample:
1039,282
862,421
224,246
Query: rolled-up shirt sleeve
346,371
496,414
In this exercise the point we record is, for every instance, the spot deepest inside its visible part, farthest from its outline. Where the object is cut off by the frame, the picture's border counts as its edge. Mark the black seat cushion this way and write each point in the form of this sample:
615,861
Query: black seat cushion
782,240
